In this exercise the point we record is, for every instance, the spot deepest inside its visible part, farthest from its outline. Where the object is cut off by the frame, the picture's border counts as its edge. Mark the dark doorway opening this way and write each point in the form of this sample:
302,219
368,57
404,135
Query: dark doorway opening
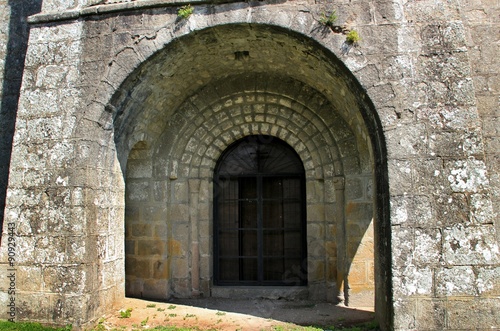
259,213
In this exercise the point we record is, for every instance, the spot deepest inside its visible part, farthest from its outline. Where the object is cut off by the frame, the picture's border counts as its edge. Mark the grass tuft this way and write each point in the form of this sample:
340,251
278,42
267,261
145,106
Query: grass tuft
28,326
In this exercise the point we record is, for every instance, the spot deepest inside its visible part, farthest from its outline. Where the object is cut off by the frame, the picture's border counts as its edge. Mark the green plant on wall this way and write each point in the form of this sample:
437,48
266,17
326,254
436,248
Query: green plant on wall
185,11
328,19
352,37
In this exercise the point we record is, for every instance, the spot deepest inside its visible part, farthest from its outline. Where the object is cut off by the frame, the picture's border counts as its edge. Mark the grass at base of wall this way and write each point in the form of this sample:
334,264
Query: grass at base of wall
27,326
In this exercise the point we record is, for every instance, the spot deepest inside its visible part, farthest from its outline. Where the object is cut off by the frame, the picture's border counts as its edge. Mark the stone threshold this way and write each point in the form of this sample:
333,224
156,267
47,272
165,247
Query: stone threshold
73,14
261,292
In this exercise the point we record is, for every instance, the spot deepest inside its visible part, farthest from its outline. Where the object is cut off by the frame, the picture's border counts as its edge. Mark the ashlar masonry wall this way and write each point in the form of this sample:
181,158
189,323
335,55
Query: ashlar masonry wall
112,107
170,189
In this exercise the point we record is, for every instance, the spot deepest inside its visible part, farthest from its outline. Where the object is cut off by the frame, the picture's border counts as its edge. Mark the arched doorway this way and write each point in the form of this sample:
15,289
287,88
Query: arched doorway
259,214
329,122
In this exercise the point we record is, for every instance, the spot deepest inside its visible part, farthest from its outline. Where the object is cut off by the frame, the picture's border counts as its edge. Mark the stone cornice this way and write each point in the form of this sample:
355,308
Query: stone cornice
73,14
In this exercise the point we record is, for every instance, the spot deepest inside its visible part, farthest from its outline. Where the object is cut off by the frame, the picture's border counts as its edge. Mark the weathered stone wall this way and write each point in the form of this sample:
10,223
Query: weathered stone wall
147,247
483,42
452,217
4,38
100,80
13,45
68,244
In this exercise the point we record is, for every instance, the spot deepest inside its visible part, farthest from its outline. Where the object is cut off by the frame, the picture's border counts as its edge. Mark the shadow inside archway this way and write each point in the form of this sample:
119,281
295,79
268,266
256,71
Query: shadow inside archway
304,312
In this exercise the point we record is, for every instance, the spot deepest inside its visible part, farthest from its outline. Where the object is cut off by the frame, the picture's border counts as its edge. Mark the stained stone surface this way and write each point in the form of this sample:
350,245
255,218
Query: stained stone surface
122,110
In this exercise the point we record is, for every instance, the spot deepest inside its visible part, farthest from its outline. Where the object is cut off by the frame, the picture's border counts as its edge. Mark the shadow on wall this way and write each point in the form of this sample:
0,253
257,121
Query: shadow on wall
17,45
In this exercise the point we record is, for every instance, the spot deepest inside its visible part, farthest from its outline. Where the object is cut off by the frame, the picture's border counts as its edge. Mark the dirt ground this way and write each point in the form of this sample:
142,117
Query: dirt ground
226,314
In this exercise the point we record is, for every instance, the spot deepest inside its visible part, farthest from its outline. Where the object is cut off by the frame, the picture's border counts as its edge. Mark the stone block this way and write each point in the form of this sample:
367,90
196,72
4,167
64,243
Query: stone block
112,272
205,193
138,267
154,214
487,105
331,249
409,281
139,169
407,140
205,287
369,75
418,207
451,209
316,249
331,272
179,268
315,213
206,267
492,143
428,244
149,248
315,231
403,246
181,287
160,231
206,245
404,314
455,281
33,307
310,172
429,177
330,195
332,216
176,248
470,245
473,313
50,249
354,188
315,191
75,310
179,213
360,250
481,209
156,288
64,280
466,175
133,286
400,173
315,270
138,191
28,278
348,149
488,280
359,213
358,274
141,230
76,249
160,189
448,144
431,314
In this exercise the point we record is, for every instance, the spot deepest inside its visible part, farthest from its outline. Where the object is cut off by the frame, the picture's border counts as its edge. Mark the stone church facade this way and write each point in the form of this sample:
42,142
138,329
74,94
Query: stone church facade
118,123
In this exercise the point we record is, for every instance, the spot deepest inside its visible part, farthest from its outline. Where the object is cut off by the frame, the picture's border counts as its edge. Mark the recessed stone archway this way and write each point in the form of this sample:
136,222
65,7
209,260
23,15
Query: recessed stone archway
110,76
188,129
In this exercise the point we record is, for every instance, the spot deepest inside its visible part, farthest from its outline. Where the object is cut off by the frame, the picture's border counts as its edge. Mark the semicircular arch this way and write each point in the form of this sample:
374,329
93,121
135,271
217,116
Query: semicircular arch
297,79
